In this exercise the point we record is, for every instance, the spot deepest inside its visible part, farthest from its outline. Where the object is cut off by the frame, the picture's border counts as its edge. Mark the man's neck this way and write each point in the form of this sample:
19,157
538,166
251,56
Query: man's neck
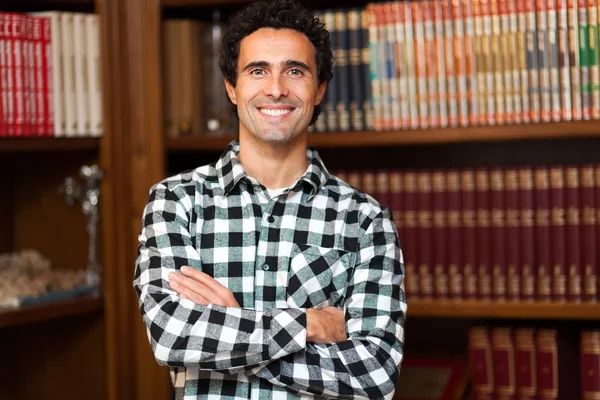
273,165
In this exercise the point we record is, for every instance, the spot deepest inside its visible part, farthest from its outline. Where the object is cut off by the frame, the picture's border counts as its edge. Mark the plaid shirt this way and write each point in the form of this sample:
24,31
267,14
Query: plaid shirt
321,242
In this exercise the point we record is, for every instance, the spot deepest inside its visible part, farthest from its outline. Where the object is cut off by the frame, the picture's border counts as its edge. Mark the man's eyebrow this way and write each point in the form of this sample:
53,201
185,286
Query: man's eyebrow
287,63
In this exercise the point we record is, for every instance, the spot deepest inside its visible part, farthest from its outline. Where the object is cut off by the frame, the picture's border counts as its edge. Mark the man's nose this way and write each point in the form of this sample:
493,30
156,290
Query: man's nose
276,87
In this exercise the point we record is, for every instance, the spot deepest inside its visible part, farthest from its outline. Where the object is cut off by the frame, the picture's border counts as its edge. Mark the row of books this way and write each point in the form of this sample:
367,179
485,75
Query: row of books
444,63
503,234
50,75
194,97
534,363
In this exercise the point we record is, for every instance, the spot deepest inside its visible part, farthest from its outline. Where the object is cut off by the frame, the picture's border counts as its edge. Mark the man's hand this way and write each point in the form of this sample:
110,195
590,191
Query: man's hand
325,326
201,288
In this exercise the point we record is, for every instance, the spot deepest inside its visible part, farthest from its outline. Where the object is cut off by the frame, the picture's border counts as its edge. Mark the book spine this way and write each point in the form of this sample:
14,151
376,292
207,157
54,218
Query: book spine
527,233
471,63
574,60
525,363
440,55
469,233
557,233
542,233
375,78
39,73
480,62
94,75
513,234
547,364
483,239
391,58
420,68
342,65
396,204
460,62
543,56
440,232
354,60
554,62
367,105
331,95
3,75
30,77
411,67
431,64
514,56
498,234
411,230
16,30
503,356
584,57
454,238
68,74
532,61
26,63
522,56
594,60
573,225
383,71
424,222
80,71
587,232
507,61
481,360
564,61
489,51
451,93
401,65
590,364
382,187
496,39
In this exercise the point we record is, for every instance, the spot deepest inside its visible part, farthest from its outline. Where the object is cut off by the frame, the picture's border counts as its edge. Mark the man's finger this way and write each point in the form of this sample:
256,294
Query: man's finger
205,279
186,293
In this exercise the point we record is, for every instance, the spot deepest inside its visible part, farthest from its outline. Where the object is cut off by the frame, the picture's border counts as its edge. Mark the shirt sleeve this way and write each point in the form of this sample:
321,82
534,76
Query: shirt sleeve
184,334
365,365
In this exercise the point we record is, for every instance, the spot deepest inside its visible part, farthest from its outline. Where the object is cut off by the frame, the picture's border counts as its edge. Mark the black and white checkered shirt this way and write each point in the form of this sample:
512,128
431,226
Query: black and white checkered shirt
321,242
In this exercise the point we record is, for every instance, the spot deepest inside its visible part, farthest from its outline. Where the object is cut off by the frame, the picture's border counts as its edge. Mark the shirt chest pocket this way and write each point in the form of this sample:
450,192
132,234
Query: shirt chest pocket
317,276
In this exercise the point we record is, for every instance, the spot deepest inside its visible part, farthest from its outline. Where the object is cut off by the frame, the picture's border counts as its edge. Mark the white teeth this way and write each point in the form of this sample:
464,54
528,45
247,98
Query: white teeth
275,112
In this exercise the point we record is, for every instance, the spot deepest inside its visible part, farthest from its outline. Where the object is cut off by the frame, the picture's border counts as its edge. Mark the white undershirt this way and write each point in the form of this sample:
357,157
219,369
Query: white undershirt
276,192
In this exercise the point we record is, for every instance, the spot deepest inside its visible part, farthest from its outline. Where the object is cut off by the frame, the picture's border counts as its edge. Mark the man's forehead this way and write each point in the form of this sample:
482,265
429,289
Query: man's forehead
275,46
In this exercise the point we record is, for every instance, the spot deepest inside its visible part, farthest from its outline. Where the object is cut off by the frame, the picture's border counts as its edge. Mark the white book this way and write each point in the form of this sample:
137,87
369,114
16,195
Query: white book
68,74
55,73
94,73
81,74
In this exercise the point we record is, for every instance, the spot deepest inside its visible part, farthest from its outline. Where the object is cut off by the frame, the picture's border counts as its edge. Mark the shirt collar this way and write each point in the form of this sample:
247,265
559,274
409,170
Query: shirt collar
230,171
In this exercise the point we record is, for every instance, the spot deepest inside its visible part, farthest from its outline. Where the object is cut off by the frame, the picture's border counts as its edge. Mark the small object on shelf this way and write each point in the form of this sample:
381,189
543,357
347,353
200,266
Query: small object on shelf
88,194
27,278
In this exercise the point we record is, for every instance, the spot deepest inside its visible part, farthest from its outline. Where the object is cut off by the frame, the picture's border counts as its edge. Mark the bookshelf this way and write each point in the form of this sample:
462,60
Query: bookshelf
138,149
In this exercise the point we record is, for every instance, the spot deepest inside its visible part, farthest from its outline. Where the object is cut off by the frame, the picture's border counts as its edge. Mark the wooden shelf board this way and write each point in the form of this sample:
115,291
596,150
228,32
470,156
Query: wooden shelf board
508,310
199,3
49,311
47,144
554,130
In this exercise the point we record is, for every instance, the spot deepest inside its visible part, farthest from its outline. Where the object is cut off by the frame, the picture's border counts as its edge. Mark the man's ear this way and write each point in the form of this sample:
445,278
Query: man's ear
230,92
320,92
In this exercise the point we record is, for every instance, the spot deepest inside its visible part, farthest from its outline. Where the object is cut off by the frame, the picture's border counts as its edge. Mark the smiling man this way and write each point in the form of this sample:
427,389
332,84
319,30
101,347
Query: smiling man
262,276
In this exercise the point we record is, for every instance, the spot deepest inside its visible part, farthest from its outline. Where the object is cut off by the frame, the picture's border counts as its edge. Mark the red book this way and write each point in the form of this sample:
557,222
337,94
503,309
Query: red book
527,233
587,232
542,233
573,239
48,117
382,187
503,355
3,72
368,183
480,358
590,365
483,228
558,364
440,250
557,233
513,237
425,234
525,363
469,234
9,121
454,238
409,200
39,71
396,205
498,234
18,72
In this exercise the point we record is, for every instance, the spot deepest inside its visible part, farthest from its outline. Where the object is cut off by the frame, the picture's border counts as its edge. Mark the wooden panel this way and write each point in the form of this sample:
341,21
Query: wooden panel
31,145
528,311
57,359
59,309
42,219
6,207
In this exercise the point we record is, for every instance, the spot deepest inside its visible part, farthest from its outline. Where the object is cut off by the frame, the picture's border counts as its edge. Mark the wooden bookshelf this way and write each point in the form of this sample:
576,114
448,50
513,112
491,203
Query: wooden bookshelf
196,3
555,130
49,311
509,310
47,144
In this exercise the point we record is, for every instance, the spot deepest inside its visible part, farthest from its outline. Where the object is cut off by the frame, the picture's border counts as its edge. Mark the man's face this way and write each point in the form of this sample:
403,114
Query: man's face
277,86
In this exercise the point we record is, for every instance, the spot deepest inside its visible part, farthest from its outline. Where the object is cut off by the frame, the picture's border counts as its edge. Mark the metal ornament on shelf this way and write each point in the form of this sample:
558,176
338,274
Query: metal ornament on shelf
88,194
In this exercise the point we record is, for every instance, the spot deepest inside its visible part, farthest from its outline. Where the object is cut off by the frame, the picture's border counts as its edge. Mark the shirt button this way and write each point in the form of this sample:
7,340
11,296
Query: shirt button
271,219
265,267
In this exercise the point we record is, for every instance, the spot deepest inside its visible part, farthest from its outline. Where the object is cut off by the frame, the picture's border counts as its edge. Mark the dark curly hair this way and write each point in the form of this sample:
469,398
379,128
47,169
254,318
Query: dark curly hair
277,14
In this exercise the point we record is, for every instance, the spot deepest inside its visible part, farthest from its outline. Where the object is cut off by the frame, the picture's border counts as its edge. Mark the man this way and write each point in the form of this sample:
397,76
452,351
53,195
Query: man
262,275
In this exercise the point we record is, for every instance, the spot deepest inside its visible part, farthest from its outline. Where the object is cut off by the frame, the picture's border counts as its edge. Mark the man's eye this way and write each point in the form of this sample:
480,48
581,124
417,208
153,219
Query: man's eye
257,72
295,72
